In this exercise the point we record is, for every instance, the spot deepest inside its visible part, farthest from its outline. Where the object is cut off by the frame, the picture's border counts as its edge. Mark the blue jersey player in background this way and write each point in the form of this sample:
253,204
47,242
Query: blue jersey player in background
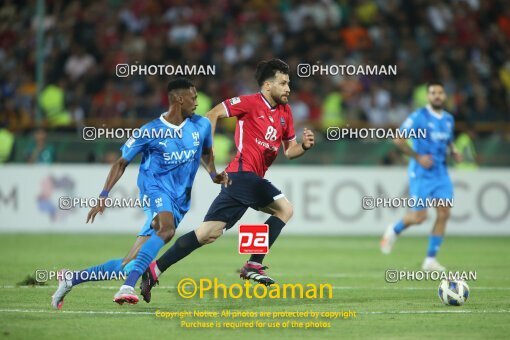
428,174
172,148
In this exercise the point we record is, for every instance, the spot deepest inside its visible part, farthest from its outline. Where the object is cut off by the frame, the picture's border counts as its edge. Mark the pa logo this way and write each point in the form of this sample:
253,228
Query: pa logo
253,239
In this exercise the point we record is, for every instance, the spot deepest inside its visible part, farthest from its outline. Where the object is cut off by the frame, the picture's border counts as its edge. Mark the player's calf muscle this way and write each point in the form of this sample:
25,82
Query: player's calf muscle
209,232
286,213
211,237
420,216
443,213
416,217
280,208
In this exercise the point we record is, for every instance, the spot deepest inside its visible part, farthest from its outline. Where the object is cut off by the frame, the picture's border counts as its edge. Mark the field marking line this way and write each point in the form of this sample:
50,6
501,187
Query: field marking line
8,310
392,286
439,312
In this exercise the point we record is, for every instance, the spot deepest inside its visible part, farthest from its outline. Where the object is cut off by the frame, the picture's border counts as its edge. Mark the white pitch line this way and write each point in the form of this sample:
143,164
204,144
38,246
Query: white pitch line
439,312
7,310
396,287
393,286
349,276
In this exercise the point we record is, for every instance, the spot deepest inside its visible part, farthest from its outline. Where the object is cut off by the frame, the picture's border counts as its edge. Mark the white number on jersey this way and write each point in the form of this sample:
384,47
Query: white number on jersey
271,133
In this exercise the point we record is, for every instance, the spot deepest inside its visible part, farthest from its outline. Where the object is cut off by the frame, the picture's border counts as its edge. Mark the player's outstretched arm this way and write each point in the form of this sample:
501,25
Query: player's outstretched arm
207,161
116,172
293,149
217,112
424,160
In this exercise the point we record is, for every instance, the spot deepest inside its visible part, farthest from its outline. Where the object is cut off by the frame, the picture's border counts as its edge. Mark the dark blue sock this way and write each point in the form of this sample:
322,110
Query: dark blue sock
104,271
147,253
399,226
275,227
184,245
434,245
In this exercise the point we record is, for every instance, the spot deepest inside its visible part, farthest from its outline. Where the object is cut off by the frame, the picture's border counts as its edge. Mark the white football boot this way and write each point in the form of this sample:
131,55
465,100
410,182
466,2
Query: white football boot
126,294
388,240
431,265
64,287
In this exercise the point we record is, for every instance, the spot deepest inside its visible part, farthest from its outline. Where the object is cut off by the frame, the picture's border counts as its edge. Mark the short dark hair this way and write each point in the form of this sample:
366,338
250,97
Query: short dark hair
267,69
179,84
434,83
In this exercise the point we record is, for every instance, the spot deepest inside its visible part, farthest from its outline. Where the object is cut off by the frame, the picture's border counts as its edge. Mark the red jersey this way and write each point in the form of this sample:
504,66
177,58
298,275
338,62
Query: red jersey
260,131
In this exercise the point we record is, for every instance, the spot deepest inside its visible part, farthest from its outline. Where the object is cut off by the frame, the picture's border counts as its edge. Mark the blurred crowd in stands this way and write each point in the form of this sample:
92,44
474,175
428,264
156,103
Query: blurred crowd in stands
463,43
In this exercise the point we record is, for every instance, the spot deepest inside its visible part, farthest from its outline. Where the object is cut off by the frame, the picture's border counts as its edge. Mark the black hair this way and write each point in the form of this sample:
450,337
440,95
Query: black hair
267,69
434,83
179,84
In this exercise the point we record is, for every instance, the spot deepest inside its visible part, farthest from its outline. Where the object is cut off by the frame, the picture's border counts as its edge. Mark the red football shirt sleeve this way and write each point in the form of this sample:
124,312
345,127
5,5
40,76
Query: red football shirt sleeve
288,132
236,106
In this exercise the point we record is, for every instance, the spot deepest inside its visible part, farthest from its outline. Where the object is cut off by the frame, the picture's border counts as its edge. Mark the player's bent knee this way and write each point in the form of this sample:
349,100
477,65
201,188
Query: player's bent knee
289,210
213,236
420,217
285,212
166,233
155,224
209,232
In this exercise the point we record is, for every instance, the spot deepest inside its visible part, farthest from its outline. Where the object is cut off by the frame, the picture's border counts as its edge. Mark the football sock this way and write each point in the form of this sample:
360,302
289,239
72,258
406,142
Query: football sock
145,256
129,267
275,227
109,270
399,226
434,245
184,245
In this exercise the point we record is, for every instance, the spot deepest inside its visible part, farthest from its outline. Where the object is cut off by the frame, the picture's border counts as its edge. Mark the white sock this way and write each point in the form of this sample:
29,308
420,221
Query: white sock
126,287
254,263
430,259
156,269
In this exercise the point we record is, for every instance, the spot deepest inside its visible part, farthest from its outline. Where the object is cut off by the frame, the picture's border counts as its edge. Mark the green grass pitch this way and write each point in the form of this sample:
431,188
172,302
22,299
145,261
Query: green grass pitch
352,265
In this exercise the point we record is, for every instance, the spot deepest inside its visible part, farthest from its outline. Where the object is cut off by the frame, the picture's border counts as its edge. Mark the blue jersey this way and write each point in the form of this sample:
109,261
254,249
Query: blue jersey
439,134
170,156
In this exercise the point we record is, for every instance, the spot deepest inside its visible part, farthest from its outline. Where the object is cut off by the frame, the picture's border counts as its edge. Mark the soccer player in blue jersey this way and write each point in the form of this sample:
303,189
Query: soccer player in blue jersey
110,270
428,174
172,147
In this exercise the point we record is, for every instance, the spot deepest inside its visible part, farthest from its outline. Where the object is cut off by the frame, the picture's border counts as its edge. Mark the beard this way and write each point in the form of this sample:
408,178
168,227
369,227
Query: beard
280,100
436,106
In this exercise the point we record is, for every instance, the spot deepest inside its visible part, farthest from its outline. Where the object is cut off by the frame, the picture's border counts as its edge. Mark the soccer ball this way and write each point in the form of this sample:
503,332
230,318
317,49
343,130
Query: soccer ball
453,292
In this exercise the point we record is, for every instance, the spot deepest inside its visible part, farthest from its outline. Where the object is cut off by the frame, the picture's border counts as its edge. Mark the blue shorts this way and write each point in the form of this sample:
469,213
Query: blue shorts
248,190
423,188
158,202
146,228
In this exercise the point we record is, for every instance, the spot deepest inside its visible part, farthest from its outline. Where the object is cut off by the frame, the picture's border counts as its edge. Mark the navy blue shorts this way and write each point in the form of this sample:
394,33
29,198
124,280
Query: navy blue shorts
248,190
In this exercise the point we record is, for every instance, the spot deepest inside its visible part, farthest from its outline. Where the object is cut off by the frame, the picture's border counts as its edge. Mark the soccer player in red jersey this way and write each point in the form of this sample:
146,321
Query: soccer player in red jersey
264,122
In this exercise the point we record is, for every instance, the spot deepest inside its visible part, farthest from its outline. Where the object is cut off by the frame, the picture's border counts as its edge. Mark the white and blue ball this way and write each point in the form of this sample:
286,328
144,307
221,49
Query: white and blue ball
453,292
